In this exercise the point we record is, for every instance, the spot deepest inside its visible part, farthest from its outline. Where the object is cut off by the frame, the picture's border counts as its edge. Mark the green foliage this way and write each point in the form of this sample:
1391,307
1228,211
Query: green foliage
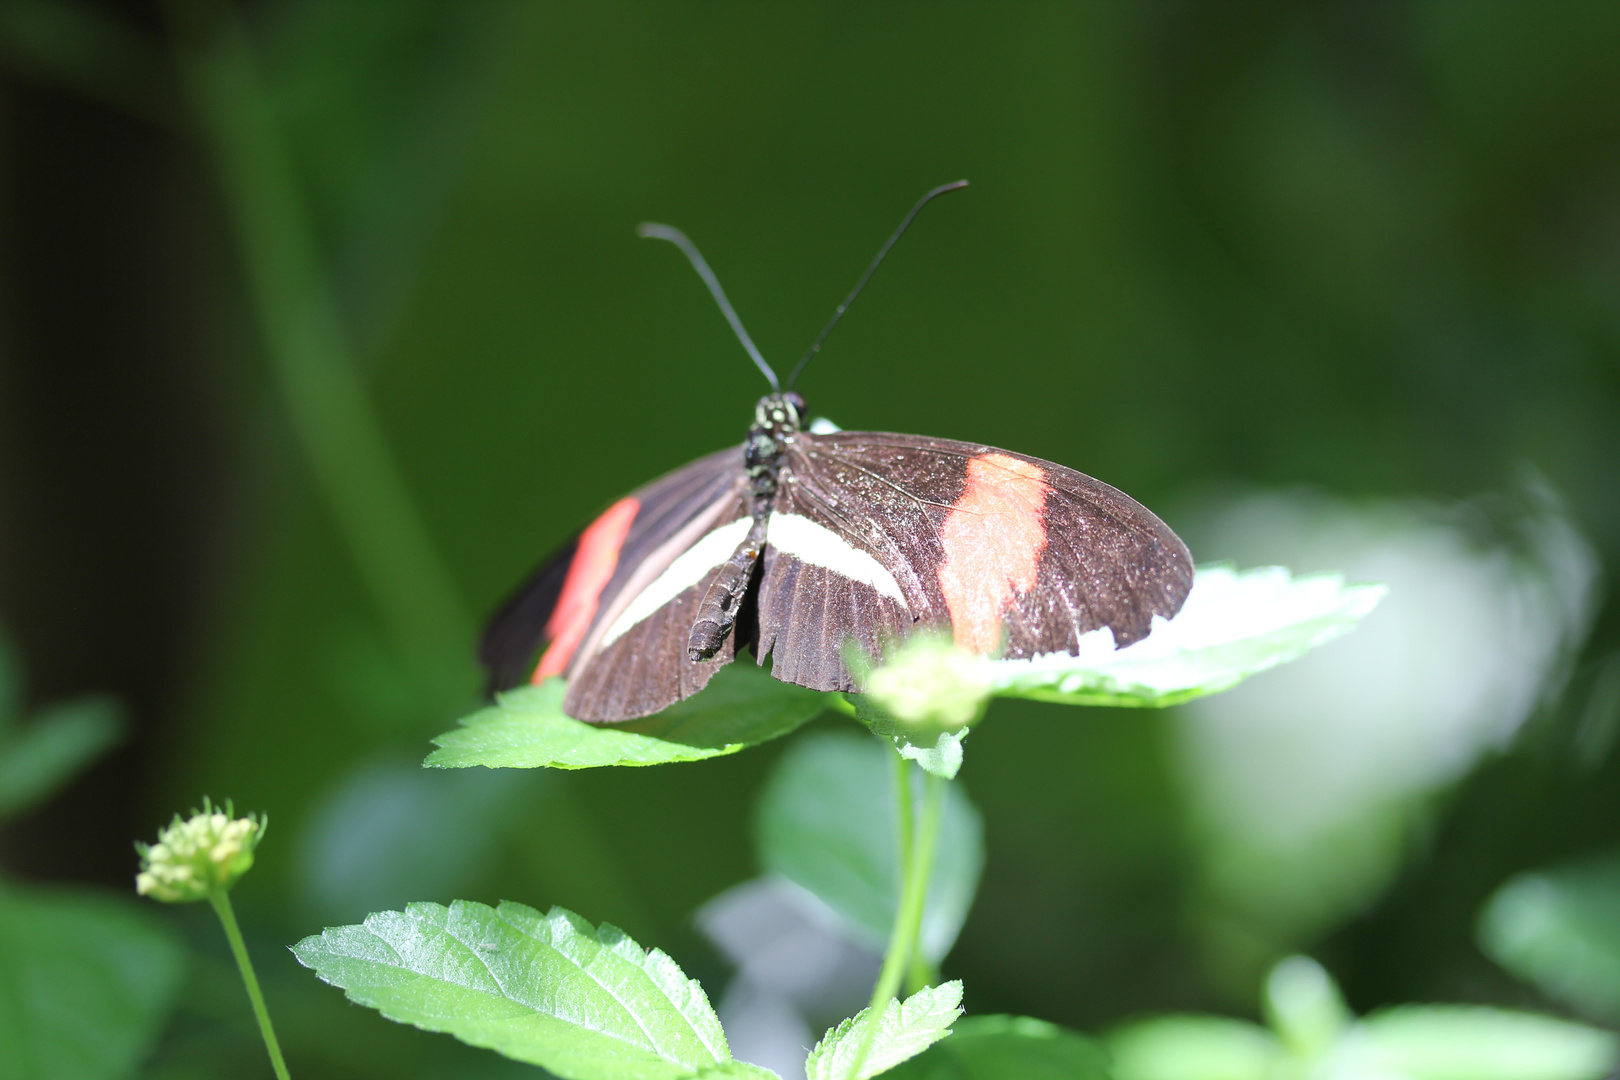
826,821
1304,1007
1558,929
1233,625
1007,1048
935,751
392,829
86,981
904,1030
85,984
549,989
1313,1034
527,729
37,759
1195,1048
1439,1042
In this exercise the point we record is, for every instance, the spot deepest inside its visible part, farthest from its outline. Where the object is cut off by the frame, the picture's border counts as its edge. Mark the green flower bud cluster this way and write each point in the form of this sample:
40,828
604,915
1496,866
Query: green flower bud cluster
929,683
200,856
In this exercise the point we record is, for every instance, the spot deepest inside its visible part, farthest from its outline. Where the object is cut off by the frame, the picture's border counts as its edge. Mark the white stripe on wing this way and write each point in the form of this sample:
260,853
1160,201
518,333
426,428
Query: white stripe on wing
689,568
820,546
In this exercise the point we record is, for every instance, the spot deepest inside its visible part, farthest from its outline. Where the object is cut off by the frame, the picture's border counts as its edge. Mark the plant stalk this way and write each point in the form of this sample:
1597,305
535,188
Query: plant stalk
311,361
227,917
919,867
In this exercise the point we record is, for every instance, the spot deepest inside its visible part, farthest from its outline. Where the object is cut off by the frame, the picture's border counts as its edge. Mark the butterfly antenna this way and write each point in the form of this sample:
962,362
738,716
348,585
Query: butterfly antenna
654,231
870,270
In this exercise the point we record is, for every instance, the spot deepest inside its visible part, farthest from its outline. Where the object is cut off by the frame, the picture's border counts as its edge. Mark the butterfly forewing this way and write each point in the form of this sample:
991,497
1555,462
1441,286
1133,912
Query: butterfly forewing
1014,555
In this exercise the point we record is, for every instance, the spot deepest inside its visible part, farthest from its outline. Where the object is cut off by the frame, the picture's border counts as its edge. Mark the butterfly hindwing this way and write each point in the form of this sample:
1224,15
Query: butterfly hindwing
564,603
518,629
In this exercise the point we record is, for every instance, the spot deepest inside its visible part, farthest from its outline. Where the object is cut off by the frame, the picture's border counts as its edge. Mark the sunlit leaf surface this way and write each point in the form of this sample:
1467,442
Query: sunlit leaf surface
550,989
86,982
1195,1048
1415,1042
527,729
1233,625
1454,1042
904,1030
1007,1048
827,823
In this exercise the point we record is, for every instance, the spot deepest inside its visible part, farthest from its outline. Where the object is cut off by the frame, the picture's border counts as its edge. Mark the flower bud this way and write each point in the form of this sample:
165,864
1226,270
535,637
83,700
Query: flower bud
929,683
198,857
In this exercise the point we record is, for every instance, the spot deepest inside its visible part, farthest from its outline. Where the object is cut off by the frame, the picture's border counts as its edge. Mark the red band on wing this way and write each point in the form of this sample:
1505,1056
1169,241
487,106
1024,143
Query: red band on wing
594,561
993,539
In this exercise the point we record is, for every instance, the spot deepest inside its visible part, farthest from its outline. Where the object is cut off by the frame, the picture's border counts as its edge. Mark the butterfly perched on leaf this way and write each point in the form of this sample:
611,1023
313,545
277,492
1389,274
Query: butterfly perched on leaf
800,544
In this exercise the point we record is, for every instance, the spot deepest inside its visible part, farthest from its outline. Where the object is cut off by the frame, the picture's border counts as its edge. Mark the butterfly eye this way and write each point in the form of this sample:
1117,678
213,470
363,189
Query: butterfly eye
795,408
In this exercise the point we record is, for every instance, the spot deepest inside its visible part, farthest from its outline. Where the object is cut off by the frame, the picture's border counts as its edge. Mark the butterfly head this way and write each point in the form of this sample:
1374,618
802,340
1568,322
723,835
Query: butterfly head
780,414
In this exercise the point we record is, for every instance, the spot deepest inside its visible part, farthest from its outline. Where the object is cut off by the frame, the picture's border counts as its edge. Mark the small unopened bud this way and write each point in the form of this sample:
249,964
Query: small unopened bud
929,683
198,857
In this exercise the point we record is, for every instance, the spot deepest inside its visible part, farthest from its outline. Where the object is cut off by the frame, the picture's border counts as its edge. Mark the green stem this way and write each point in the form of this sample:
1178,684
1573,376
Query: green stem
920,973
908,920
222,907
903,815
313,366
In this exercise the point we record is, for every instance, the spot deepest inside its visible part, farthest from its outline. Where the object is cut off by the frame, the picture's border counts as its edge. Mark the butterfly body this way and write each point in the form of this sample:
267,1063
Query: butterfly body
797,544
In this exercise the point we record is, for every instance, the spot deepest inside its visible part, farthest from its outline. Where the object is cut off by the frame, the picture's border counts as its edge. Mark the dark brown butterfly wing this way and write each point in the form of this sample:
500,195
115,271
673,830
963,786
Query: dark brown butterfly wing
1014,555
571,600
516,631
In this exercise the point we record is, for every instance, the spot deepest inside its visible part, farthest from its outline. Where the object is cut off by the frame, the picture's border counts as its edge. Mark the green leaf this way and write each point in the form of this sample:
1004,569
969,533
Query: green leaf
1453,1042
527,729
1195,1048
938,752
1233,625
1304,1007
826,822
86,982
1007,1048
943,758
37,759
551,990
904,1030
1559,930
392,828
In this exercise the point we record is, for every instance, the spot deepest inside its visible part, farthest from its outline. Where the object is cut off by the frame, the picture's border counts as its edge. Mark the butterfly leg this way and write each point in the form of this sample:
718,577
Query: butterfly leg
718,613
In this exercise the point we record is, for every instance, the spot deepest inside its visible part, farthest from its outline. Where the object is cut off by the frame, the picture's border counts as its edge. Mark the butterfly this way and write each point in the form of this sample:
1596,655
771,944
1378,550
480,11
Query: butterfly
804,542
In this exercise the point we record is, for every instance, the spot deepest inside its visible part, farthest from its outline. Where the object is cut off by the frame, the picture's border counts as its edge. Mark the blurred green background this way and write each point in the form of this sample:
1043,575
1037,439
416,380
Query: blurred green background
323,320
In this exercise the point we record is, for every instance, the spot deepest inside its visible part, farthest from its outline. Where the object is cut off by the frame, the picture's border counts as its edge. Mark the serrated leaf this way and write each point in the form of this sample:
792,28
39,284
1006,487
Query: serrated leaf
1233,625
904,1030
1195,1048
40,757
549,989
826,821
1558,929
1007,1048
86,982
1453,1042
526,728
